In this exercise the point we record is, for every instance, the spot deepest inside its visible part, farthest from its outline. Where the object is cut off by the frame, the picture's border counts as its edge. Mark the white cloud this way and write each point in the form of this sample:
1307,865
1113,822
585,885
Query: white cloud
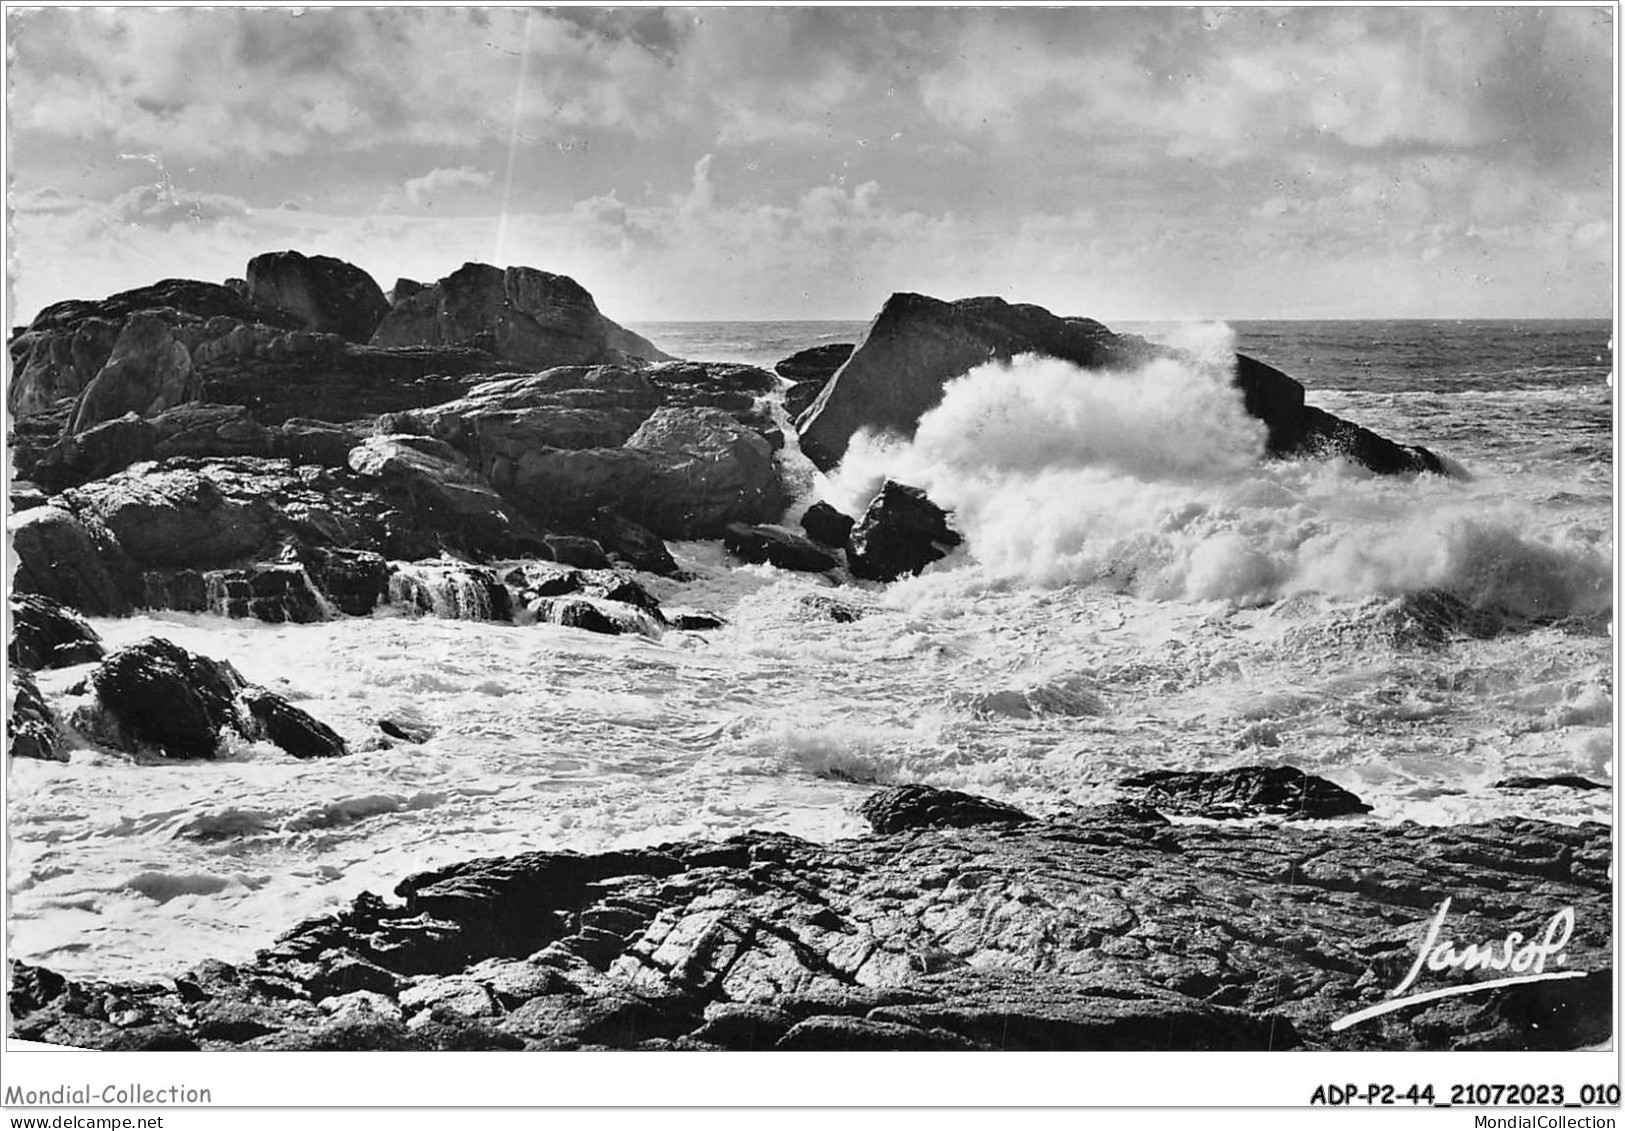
426,191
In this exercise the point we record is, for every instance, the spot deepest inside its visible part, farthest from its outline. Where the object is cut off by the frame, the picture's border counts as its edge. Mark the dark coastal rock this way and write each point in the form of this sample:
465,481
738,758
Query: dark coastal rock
569,407
433,485
355,581
611,585
318,292
818,606
148,371
188,296
519,314
176,516
24,495
48,634
608,618
582,553
917,344
157,695
902,532
450,590
160,695
1246,791
292,728
817,363
272,592
60,557
709,470
630,544
1555,781
32,730
823,523
182,590
49,366
693,621
1100,930
779,546
903,807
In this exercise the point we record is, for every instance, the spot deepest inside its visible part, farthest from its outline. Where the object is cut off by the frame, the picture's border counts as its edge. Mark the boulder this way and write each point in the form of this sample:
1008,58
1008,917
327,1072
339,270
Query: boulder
33,731
432,483
1245,791
159,695
49,365
609,618
823,523
569,407
60,557
186,430
902,532
917,344
355,581
291,728
926,807
709,470
778,546
318,292
573,550
148,371
520,315
177,516
1103,929
48,634
627,542
815,364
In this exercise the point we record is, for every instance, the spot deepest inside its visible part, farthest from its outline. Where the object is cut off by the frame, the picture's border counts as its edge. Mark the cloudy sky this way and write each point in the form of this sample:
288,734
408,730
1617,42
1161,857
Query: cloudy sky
806,162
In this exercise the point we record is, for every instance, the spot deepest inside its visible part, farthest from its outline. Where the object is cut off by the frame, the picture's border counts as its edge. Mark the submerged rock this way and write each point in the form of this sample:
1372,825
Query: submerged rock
292,728
1106,929
1245,791
778,546
32,730
48,634
902,532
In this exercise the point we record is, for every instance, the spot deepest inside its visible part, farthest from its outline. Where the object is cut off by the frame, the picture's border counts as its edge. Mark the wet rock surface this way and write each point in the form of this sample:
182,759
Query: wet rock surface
1108,928
32,729
48,634
1245,791
155,695
901,533
782,548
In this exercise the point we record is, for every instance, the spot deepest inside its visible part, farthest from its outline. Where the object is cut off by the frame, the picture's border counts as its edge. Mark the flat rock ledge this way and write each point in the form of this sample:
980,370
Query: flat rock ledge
1108,928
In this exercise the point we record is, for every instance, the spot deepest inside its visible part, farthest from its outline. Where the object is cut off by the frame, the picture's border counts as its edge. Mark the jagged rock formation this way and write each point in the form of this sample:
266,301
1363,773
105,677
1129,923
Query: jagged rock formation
48,634
917,344
1245,791
783,548
902,532
32,730
520,315
319,292
157,695
1108,928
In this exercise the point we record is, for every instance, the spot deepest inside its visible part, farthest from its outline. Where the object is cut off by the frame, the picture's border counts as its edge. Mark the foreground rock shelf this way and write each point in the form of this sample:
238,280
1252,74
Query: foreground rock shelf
1108,928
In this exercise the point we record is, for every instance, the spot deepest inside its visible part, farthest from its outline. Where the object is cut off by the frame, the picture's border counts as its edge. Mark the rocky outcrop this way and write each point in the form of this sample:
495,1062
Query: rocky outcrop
808,372
450,590
902,532
78,565
917,344
156,695
1245,791
520,315
778,546
708,471
318,292
148,371
1106,929
48,634
433,485
906,807
274,593
32,729
823,523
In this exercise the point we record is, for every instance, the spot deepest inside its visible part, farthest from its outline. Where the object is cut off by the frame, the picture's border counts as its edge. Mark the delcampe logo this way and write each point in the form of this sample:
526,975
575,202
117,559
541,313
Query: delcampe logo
1523,960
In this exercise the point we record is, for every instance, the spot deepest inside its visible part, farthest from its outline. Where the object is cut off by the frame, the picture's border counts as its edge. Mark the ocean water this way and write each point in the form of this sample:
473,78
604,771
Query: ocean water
1137,591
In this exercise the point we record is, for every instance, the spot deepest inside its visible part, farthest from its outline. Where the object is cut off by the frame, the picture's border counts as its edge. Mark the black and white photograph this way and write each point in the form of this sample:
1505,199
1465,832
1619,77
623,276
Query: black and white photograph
810,529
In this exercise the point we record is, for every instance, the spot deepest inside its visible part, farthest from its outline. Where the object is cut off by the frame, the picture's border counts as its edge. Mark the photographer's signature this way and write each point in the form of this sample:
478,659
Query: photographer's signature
1524,960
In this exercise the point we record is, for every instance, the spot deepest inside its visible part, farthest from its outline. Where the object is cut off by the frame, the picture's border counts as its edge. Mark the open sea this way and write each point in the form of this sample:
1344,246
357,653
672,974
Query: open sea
1137,591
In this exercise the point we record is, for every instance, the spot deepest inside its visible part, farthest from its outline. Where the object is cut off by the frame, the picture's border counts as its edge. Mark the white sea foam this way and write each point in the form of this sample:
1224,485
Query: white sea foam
1152,482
